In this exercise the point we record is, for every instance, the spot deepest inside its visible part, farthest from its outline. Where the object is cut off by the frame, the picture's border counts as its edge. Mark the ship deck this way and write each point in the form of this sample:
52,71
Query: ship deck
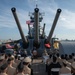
38,67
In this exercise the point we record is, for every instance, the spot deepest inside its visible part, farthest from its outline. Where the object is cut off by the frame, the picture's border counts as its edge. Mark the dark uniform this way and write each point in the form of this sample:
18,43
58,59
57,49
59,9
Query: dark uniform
54,67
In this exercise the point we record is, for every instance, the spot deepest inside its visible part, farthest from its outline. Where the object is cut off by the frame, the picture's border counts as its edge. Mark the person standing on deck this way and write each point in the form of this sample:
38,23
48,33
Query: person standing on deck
16,60
1,60
48,61
13,62
73,67
26,63
4,69
54,67
45,56
65,70
34,52
20,69
10,70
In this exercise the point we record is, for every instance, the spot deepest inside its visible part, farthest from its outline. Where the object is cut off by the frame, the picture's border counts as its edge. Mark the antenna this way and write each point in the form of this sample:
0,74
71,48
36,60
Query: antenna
36,3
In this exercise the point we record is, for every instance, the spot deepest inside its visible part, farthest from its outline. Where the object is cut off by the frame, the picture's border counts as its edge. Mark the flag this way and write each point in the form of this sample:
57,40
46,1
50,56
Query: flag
29,22
8,46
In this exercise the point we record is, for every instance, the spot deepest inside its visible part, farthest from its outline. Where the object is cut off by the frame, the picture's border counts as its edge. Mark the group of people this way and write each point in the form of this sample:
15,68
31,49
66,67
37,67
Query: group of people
12,65
56,64
60,64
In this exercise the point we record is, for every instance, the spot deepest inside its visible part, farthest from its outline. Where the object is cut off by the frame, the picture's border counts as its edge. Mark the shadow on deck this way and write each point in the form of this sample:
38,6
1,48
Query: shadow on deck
38,67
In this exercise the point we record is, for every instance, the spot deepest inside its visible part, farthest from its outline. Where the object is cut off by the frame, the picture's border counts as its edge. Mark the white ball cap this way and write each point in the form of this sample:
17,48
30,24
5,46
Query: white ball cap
12,56
1,57
27,59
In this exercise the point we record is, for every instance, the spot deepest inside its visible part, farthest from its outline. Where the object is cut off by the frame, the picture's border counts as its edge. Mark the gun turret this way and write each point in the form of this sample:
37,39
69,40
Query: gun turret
36,27
53,26
25,41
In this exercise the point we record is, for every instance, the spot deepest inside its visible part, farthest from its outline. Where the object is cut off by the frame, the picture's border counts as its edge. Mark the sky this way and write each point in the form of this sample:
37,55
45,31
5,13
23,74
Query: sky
65,28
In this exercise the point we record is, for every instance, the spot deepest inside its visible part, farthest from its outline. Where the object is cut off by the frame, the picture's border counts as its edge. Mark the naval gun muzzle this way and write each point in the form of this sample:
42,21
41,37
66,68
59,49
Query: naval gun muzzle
36,27
53,26
25,41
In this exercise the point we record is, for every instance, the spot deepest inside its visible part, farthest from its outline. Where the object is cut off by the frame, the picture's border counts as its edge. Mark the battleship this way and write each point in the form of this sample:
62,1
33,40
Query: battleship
36,37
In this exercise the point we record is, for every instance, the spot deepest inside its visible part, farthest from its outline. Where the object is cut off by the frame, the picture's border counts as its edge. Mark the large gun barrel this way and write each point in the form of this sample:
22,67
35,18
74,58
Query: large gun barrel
43,32
25,41
36,26
53,26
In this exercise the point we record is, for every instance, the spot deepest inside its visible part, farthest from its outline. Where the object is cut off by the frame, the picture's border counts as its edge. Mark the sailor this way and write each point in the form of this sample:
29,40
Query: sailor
59,58
54,67
34,53
45,53
10,70
16,47
73,55
13,62
73,67
48,61
20,69
71,58
4,69
6,58
3,48
26,63
1,60
65,70
16,60
23,53
63,58
45,56
9,55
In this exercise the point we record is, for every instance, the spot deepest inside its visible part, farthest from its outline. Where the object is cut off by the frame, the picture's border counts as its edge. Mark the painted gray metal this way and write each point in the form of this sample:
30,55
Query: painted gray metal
36,25
19,25
54,25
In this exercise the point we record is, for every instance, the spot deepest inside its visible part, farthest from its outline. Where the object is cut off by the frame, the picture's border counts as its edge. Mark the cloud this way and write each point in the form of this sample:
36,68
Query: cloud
67,19
7,20
49,7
